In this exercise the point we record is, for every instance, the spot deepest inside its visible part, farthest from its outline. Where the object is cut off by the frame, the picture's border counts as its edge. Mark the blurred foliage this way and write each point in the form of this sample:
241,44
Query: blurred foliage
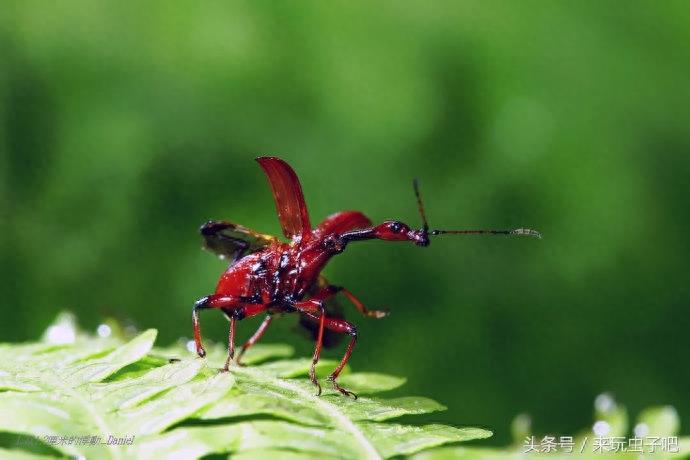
125,125
654,437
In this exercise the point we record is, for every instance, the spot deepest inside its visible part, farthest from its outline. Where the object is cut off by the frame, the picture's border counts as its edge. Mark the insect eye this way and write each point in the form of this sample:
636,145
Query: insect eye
395,227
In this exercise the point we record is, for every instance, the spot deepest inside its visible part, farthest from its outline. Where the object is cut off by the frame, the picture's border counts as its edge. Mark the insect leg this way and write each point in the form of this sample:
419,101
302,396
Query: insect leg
343,327
198,305
340,325
314,308
236,312
255,338
234,307
231,344
359,305
210,301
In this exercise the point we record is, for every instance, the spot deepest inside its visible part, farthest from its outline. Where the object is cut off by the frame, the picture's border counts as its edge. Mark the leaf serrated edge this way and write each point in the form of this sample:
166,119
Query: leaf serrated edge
342,421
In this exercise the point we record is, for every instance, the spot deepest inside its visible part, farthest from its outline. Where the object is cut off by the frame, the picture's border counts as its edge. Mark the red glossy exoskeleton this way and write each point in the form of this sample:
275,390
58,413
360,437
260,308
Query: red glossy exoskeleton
269,276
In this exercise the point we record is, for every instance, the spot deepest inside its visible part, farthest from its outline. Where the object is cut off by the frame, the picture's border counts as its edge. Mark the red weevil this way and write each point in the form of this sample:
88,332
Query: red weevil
269,276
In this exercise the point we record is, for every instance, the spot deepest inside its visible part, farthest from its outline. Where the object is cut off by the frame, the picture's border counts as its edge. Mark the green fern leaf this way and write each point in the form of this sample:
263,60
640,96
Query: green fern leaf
72,394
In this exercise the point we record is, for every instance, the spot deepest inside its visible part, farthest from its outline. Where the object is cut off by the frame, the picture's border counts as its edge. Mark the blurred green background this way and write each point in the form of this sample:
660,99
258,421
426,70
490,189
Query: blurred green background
125,125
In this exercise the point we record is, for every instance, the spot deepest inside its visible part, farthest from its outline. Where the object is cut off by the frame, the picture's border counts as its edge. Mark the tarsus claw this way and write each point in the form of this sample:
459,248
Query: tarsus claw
314,380
342,390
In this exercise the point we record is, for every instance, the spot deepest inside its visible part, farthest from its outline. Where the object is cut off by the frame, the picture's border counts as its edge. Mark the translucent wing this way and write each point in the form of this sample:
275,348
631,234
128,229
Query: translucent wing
287,192
231,241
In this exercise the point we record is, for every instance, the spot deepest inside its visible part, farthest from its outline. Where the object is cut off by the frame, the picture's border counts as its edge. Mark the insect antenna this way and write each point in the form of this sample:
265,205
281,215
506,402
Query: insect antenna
425,227
515,232
420,205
